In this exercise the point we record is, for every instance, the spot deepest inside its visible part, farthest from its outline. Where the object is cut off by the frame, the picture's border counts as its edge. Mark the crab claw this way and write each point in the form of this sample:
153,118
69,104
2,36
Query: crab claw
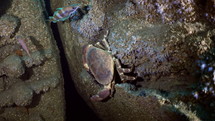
105,93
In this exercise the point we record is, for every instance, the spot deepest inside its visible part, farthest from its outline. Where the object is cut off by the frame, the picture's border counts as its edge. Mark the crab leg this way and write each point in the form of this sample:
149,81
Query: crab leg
124,70
104,44
121,71
99,45
104,41
103,94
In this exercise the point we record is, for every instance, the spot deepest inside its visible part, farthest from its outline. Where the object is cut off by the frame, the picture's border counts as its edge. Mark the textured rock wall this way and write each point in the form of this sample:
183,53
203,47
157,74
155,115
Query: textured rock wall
31,83
162,40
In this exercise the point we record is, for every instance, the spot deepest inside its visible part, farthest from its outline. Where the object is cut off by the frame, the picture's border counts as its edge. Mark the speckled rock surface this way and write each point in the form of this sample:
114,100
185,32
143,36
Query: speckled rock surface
162,41
8,25
31,86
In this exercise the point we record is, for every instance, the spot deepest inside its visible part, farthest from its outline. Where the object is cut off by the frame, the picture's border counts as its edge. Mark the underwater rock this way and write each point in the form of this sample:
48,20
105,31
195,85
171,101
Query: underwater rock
36,117
12,66
29,79
8,25
167,11
44,85
161,41
129,9
141,46
2,119
91,23
152,51
2,86
37,58
21,94
6,98
8,49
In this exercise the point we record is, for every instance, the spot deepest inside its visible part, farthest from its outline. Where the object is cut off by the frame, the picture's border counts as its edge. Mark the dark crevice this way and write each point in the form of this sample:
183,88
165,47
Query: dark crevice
76,108
4,6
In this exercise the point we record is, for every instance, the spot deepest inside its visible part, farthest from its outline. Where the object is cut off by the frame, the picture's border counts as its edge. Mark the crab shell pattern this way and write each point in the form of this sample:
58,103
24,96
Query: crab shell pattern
101,64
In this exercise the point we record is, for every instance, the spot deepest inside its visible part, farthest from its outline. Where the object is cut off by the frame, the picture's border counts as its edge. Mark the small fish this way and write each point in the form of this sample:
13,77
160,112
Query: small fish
21,41
63,13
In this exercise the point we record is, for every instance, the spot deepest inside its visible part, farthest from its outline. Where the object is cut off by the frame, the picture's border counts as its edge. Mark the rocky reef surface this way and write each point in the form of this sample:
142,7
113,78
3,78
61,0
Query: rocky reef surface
168,44
31,83
163,41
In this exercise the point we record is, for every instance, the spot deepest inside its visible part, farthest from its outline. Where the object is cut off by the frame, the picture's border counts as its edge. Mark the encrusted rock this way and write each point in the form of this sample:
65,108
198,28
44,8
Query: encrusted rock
22,94
36,117
92,23
2,119
8,25
161,39
44,85
24,78
12,66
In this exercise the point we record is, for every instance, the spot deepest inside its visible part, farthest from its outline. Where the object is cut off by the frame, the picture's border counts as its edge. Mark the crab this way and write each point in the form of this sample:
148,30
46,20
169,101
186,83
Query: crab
98,60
